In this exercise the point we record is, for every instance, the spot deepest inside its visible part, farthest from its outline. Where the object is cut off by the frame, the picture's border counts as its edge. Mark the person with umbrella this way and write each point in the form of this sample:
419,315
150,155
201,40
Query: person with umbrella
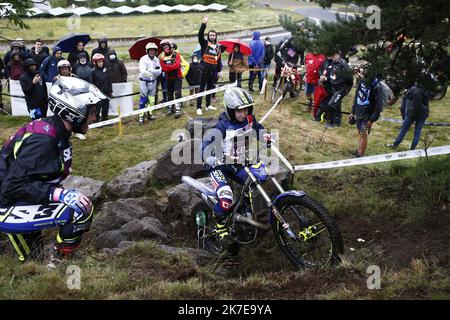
149,70
237,61
73,56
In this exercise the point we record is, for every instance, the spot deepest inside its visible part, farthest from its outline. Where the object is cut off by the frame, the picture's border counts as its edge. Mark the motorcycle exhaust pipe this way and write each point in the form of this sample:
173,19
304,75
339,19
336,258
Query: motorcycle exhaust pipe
241,218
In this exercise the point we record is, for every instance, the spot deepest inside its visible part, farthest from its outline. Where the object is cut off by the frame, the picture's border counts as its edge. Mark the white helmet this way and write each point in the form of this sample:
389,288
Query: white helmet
70,98
151,45
63,63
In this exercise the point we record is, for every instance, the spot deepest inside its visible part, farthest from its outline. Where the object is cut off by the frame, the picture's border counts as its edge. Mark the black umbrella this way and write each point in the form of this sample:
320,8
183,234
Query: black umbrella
67,43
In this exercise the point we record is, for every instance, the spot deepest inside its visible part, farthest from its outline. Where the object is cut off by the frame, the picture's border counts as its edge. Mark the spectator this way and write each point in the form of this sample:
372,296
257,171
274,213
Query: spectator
101,78
102,49
366,108
194,76
268,55
116,68
2,75
83,67
39,52
64,70
73,56
149,70
415,104
237,61
15,67
15,46
255,61
340,79
171,65
323,92
23,48
211,63
35,90
49,67
314,61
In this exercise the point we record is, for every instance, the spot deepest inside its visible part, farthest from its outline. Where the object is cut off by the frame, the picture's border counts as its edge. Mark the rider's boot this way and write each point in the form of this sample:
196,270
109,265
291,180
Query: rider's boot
223,235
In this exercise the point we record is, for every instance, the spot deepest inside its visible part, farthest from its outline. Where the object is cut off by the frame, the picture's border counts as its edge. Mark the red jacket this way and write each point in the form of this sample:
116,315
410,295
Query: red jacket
313,63
171,65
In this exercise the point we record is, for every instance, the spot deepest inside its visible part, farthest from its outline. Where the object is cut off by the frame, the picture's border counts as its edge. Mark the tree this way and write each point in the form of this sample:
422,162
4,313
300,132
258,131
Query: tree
414,36
13,13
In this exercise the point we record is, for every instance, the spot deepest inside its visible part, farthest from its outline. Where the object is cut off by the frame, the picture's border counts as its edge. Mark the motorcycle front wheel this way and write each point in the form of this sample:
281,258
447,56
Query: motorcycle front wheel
318,242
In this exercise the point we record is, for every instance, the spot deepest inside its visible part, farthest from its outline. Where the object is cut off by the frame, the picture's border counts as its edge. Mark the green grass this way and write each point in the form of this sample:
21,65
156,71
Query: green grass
146,25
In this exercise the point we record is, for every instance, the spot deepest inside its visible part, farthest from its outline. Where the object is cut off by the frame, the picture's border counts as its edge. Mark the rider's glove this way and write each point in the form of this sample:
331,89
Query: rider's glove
73,199
212,162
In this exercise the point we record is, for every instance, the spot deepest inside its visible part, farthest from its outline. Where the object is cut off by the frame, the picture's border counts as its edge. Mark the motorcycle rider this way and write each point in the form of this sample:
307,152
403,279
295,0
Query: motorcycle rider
237,119
287,51
149,70
34,162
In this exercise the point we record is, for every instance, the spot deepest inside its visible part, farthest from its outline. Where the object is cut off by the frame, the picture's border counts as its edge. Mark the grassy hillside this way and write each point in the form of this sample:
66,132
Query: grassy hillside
400,210
145,25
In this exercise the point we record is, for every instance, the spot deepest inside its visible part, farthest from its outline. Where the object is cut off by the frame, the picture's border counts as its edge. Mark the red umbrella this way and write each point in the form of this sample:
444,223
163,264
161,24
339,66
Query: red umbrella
137,50
229,44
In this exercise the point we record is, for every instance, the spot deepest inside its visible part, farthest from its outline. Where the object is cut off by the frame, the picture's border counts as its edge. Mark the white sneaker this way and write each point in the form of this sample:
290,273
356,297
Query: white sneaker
209,108
80,136
199,112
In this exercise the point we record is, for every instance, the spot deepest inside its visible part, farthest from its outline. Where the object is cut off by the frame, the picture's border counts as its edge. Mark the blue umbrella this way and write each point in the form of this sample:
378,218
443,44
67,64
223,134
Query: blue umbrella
67,43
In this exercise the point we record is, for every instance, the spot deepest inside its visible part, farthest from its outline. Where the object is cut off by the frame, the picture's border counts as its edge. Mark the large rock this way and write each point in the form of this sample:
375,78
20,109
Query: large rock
182,198
205,123
113,215
131,183
129,220
180,160
91,188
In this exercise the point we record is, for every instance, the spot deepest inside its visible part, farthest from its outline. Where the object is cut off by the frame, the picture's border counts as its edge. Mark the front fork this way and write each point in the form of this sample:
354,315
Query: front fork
269,202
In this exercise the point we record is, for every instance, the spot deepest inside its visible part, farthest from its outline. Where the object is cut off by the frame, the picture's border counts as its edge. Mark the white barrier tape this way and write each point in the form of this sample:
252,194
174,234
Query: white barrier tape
271,109
280,155
161,105
435,124
434,151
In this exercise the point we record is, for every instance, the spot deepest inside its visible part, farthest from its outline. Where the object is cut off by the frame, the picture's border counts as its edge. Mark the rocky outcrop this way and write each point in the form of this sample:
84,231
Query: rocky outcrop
91,188
132,182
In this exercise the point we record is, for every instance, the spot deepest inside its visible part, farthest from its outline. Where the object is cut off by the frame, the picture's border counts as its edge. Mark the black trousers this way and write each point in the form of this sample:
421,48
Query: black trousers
103,108
174,86
234,76
253,76
208,80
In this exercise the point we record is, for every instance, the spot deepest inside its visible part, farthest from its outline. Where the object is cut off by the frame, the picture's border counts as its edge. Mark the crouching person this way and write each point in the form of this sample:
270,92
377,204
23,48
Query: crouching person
34,162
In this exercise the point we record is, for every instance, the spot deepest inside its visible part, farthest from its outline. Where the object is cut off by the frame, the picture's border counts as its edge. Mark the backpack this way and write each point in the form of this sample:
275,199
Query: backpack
184,66
385,93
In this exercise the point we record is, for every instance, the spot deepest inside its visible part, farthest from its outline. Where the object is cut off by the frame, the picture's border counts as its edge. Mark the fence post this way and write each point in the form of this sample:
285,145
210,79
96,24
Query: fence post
120,121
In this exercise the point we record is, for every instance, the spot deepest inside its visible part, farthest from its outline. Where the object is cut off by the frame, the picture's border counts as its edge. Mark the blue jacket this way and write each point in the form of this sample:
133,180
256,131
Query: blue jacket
225,124
49,67
257,57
